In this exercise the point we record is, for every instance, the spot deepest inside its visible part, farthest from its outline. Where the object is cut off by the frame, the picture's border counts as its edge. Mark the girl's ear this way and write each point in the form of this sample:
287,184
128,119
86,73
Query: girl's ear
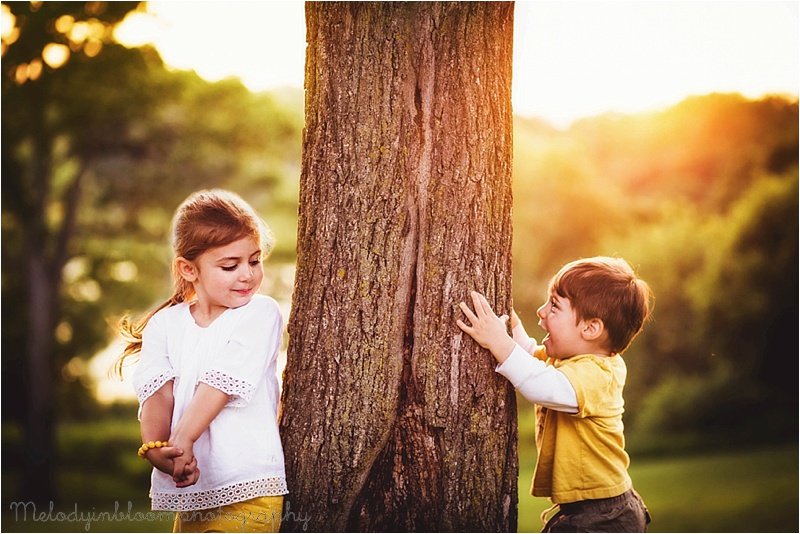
593,329
186,269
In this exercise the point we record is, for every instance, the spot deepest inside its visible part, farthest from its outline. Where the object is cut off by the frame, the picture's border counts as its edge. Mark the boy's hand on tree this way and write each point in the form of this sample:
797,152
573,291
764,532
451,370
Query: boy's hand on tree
486,328
514,319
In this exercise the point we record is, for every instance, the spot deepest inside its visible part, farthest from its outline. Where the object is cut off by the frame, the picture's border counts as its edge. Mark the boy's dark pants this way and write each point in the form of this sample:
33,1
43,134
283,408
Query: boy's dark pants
624,513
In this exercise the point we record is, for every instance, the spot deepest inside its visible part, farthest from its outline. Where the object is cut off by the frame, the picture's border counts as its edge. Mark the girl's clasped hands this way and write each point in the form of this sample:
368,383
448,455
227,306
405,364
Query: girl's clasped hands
184,472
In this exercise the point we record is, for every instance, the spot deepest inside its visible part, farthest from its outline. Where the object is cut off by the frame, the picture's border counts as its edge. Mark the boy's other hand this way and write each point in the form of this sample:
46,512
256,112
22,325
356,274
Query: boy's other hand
486,328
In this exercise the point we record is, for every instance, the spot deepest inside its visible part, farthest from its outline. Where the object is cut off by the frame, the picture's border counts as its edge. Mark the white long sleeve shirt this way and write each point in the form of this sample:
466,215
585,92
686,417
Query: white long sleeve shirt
240,455
538,382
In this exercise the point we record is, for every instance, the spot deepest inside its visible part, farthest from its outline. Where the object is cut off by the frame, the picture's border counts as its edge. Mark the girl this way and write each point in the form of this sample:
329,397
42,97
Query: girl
206,381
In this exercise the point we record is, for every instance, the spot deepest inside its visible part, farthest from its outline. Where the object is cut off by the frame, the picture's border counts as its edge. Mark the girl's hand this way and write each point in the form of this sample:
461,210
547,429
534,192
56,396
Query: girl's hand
162,458
191,474
514,319
184,465
486,328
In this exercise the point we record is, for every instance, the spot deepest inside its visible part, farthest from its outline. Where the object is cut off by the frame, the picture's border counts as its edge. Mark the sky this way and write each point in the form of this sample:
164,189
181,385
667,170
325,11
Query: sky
572,58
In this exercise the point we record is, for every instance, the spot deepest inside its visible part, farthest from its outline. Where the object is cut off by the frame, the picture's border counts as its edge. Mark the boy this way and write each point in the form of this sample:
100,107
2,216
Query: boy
596,306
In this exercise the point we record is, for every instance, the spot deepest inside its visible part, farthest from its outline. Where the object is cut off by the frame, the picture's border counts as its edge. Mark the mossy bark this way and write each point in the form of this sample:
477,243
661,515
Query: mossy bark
392,418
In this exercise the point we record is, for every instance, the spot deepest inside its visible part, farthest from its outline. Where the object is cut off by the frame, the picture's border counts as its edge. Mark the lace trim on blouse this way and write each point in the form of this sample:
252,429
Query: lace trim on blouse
241,391
152,385
232,493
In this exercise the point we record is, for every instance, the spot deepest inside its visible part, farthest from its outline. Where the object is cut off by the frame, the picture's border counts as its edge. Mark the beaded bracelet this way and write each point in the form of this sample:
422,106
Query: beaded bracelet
151,445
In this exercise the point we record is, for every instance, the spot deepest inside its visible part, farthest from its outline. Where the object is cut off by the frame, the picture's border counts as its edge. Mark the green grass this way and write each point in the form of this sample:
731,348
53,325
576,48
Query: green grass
746,491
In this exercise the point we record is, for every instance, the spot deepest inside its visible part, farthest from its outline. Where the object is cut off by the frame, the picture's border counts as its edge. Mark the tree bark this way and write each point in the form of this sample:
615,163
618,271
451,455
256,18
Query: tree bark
392,418
38,483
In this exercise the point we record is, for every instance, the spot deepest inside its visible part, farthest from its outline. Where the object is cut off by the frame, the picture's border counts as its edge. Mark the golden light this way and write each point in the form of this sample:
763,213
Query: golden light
87,290
74,369
64,333
124,271
64,23
75,269
35,69
89,34
92,47
21,74
571,59
579,59
8,28
7,21
97,30
137,29
55,54
79,32
12,36
265,48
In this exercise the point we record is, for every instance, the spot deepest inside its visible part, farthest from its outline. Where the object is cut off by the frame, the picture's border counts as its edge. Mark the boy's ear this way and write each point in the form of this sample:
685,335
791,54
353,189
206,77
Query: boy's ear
593,329
186,269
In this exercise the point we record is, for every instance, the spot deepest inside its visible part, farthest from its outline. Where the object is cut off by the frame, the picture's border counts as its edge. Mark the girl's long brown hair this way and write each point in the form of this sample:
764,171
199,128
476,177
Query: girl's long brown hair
206,219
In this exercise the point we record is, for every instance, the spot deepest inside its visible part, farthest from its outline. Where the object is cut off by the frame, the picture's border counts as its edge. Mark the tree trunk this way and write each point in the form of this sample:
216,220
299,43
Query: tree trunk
392,418
38,480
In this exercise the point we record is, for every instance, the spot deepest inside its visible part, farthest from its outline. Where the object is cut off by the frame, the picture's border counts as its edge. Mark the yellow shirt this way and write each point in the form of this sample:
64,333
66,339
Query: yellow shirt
582,456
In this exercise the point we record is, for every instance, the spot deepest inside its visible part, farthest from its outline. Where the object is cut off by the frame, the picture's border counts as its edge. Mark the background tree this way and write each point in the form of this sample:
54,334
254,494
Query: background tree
43,204
392,419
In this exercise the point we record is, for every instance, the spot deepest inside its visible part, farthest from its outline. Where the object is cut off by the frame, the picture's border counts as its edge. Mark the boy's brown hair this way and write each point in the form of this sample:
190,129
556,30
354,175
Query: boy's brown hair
608,289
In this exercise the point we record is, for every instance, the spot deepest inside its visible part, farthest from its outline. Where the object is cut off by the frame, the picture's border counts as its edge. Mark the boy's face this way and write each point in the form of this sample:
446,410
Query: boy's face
564,337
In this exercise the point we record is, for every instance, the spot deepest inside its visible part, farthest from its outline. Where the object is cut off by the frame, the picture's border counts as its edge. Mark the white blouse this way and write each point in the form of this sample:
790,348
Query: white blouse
240,455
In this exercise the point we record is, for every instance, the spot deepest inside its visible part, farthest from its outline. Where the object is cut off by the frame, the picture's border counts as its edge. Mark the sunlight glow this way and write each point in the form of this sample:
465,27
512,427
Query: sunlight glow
8,28
571,58
35,69
64,23
138,29
262,43
55,54
7,21
575,59
109,388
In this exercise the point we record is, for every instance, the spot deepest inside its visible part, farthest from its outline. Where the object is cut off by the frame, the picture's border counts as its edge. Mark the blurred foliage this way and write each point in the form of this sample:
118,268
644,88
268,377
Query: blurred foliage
137,138
702,199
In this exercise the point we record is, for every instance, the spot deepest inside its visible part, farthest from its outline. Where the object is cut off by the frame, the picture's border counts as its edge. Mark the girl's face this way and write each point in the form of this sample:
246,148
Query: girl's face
228,276
558,318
